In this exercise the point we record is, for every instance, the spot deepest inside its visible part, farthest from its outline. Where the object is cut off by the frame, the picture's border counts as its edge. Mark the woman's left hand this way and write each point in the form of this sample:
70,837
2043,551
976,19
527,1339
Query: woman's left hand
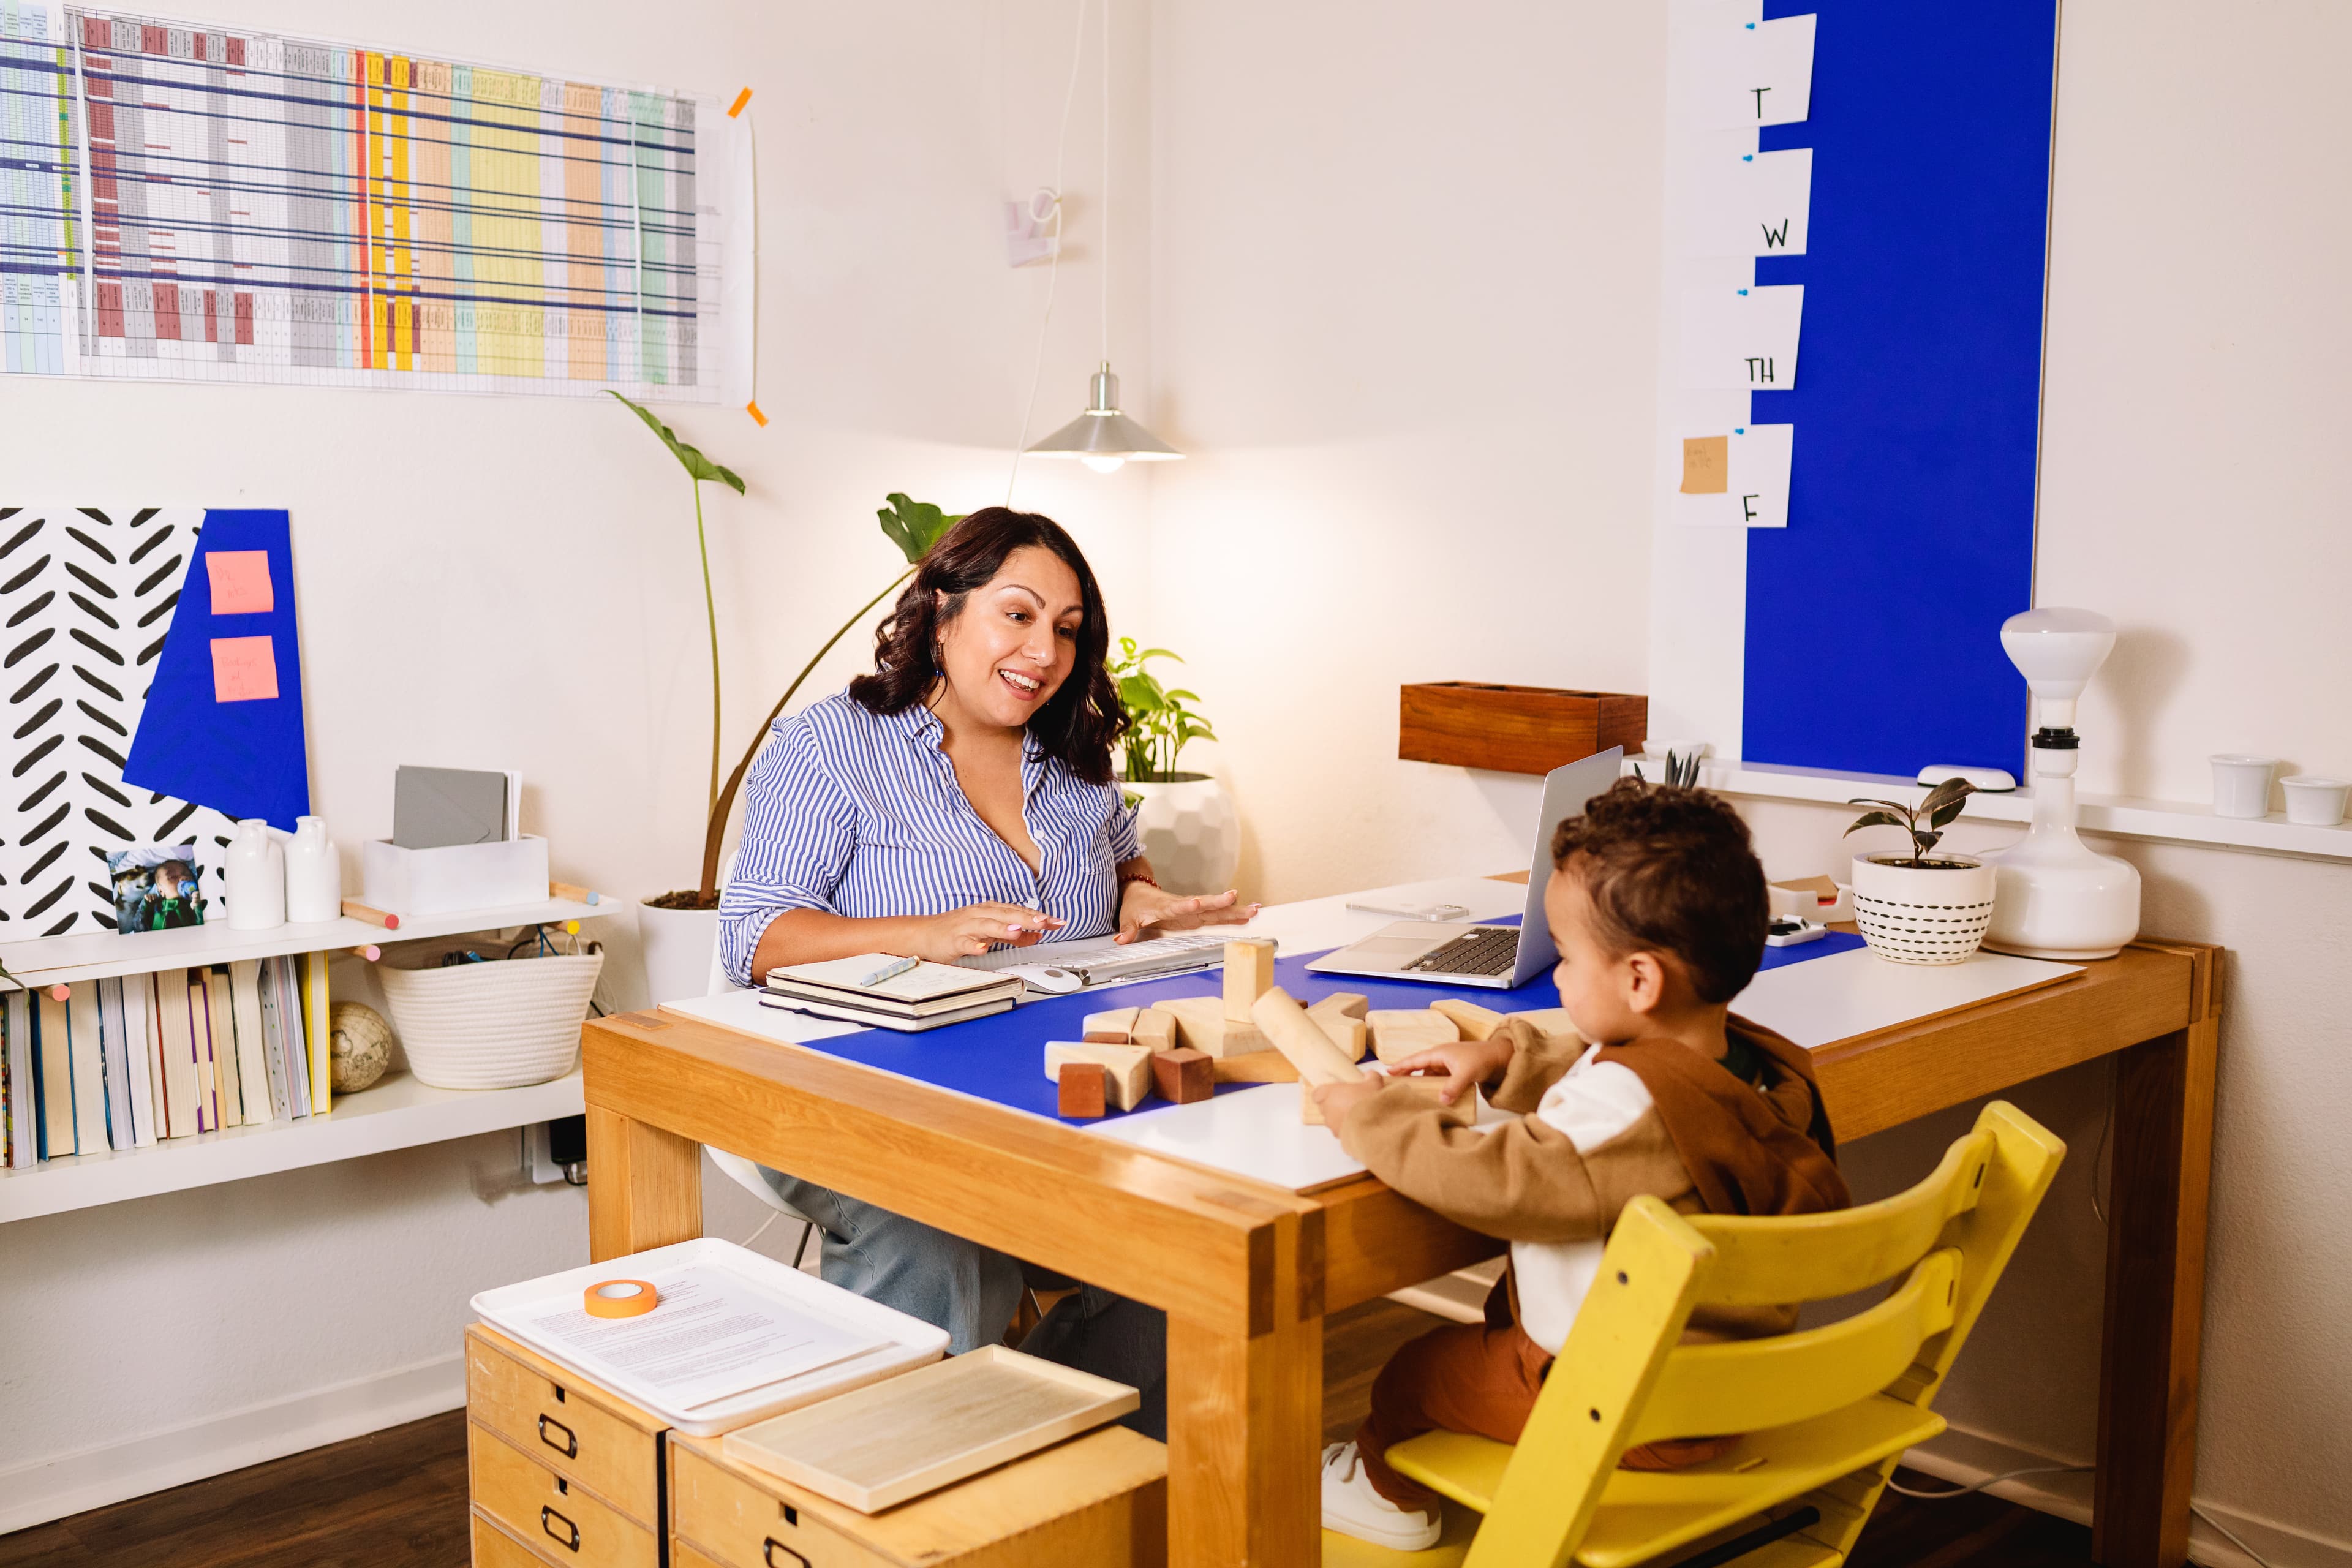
1143,908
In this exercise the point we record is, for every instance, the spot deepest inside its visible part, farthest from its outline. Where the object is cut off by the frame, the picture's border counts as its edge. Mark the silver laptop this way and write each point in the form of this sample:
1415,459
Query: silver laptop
1496,956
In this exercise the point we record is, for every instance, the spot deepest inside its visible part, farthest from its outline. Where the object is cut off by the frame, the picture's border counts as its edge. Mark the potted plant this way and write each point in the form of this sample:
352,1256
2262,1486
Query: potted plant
1191,832
1920,906
679,929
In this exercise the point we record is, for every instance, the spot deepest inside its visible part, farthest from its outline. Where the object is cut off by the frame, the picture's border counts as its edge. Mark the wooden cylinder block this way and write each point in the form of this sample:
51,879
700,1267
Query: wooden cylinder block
1301,1039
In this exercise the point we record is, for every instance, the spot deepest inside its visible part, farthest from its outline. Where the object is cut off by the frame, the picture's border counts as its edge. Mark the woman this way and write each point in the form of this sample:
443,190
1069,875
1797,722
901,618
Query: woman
958,798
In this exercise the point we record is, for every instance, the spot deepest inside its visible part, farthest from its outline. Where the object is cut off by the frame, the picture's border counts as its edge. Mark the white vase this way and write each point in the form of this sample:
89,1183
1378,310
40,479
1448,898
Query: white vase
678,945
1192,832
1932,914
254,878
2058,896
314,874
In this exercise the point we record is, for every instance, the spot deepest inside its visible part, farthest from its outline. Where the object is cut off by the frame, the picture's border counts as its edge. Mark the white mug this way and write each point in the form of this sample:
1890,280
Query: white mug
2242,784
2315,802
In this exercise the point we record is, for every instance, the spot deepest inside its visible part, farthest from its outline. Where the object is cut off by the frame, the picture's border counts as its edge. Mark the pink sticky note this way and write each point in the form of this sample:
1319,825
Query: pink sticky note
240,582
245,670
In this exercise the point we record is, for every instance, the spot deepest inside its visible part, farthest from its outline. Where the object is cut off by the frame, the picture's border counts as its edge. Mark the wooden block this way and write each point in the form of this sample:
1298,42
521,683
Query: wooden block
1346,1003
1298,1036
1085,1090
1249,975
1116,1027
1461,1113
1183,1075
1201,1023
1154,1030
1257,1067
1398,1033
1128,1066
1551,1023
1474,1022
1351,1035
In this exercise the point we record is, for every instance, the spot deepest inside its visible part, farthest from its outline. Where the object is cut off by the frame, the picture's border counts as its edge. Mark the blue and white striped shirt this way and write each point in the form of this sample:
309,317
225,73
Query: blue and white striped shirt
859,813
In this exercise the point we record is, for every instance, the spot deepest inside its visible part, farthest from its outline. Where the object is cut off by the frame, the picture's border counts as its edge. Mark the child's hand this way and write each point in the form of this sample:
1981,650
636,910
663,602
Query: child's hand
1339,1099
1466,1063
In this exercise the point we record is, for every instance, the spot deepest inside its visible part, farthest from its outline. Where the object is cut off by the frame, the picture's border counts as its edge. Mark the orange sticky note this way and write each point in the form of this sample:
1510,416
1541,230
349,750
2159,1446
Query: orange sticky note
240,582
1706,465
245,670
752,408
742,99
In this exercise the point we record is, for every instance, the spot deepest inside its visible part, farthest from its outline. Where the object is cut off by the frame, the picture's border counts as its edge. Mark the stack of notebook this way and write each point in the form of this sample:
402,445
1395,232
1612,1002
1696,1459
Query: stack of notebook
877,990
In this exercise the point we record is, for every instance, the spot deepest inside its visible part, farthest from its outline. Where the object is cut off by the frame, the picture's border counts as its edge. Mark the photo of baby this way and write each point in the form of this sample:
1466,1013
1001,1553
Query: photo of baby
157,888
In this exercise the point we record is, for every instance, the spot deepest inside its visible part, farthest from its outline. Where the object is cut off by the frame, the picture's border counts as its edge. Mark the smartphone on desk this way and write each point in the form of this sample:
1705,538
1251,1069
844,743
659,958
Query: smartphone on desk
1404,912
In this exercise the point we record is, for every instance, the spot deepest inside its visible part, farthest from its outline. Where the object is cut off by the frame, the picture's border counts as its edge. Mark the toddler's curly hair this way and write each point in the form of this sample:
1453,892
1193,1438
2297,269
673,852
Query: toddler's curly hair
1671,871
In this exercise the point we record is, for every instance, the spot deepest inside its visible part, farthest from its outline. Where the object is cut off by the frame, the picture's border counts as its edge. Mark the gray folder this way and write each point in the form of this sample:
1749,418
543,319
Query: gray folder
432,808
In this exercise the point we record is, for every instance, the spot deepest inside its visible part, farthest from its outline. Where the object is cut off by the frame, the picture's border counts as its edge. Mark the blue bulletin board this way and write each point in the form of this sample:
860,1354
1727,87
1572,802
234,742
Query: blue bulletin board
1873,619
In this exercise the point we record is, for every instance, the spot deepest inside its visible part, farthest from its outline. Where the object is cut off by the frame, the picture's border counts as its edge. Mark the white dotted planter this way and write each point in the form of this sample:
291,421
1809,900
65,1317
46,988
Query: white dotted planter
1913,914
1192,832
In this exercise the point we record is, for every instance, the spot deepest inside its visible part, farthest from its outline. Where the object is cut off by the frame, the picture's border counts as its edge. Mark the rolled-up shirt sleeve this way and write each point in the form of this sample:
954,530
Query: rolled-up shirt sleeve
1126,836
799,829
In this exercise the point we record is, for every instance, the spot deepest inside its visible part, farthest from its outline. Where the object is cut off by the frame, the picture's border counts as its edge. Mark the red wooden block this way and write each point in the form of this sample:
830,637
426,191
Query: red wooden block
1085,1090
1183,1075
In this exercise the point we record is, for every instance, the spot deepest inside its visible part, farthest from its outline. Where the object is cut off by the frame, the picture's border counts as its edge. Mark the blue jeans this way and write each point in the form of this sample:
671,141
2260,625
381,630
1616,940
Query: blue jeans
972,1290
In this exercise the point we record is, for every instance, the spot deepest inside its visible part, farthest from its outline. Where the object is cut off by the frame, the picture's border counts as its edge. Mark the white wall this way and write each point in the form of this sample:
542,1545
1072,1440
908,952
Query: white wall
1405,306
511,583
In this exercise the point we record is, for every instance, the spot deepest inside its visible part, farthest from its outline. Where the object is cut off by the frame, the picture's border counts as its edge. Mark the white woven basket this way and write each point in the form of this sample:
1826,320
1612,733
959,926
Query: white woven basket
1913,915
492,1026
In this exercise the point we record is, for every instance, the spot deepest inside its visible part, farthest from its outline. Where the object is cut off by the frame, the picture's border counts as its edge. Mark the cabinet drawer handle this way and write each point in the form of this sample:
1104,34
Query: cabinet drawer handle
549,1519
770,1546
569,1448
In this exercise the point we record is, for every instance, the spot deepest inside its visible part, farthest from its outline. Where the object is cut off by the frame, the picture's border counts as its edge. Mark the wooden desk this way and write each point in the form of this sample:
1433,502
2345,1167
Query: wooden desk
1246,1272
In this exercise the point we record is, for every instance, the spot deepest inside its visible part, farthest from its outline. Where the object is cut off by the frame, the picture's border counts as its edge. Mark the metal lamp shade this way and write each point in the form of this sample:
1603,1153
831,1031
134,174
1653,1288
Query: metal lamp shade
1102,432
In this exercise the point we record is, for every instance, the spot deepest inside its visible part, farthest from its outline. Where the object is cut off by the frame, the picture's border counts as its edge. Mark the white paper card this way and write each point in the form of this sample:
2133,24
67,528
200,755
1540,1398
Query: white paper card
1756,73
1741,338
1756,493
710,1336
1746,203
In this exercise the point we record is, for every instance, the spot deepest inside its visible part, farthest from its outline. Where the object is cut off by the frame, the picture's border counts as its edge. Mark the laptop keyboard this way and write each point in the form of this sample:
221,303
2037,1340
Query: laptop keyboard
1488,949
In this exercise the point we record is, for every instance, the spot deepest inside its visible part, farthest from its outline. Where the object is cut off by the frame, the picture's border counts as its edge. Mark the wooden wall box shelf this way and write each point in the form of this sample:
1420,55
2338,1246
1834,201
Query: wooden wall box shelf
1097,1500
1514,729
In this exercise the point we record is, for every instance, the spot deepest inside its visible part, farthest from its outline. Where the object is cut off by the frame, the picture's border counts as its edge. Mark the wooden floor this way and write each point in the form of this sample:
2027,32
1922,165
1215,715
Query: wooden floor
397,1499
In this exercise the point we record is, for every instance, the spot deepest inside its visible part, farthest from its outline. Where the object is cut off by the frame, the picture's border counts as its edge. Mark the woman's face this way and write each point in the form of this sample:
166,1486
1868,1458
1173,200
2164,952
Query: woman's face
1016,640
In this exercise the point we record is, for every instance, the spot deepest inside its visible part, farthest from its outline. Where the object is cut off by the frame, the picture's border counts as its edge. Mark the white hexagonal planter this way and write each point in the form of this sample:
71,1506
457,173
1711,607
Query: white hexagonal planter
1191,833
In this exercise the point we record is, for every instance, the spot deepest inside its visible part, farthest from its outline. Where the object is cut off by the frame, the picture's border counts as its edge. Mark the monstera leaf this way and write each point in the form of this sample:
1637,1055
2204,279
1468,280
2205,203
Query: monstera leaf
698,466
914,526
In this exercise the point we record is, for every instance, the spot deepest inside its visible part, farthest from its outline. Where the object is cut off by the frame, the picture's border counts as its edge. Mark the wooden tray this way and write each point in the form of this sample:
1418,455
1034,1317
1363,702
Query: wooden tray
923,1430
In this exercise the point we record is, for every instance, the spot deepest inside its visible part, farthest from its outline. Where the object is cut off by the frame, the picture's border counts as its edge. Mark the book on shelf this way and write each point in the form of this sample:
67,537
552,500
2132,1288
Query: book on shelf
184,1092
115,1054
89,1059
53,1045
225,1059
273,1038
24,1142
140,1066
252,1061
314,1029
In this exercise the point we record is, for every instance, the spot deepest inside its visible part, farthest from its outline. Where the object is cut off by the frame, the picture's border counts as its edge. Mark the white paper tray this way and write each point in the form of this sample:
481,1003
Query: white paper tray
914,1342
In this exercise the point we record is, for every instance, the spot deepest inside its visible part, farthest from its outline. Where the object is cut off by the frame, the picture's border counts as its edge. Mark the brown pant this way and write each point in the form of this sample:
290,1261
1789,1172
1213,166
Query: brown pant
1482,1379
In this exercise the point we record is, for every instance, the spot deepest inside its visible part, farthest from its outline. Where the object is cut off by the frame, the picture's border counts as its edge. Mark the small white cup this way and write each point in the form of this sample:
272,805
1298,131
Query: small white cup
2242,784
2314,801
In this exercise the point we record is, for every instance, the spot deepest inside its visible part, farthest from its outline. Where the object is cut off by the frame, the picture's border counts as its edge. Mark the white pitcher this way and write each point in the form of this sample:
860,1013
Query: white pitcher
255,875
314,874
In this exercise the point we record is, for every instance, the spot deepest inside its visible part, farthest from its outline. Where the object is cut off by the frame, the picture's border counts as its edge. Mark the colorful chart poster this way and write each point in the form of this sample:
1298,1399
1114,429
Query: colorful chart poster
189,202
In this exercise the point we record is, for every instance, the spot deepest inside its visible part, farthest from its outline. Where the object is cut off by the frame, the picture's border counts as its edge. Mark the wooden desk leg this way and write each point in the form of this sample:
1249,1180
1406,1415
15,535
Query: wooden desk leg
1244,1432
645,1186
2155,1299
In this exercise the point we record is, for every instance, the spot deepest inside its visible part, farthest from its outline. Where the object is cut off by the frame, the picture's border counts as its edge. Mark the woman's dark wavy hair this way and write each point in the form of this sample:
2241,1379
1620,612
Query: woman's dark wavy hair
1082,719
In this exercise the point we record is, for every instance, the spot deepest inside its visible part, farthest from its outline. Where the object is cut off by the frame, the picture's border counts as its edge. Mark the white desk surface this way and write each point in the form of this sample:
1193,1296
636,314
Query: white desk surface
1256,1133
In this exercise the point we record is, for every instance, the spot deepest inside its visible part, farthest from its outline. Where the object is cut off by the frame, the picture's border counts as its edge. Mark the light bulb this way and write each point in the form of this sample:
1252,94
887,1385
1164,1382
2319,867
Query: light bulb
1103,465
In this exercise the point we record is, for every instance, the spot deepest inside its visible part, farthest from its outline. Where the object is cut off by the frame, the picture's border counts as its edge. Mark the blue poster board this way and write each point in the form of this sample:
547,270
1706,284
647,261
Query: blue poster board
1874,618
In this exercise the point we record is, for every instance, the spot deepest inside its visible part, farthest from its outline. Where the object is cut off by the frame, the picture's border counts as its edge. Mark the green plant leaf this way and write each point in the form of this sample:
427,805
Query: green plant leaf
698,466
1878,819
1926,841
1894,806
1140,694
914,526
1945,800
1151,653
1179,695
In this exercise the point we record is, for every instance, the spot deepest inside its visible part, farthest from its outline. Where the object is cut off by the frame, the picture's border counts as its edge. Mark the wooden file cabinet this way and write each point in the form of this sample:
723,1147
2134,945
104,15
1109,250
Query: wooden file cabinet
560,1472
1099,1500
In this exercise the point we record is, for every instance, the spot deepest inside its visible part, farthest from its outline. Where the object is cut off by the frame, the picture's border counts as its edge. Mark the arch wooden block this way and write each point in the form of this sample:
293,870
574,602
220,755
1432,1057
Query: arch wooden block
1201,1023
1474,1022
1401,1032
1341,1016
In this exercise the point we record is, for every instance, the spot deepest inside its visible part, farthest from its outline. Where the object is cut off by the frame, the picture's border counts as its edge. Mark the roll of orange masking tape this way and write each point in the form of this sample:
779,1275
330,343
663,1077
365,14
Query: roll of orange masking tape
619,1299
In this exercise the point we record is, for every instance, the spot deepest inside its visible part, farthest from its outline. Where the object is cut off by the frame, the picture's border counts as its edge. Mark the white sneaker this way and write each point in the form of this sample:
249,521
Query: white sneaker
1351,1507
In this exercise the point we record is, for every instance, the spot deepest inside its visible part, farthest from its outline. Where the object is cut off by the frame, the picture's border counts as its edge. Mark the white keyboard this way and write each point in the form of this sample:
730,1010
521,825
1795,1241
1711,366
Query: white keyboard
1098,959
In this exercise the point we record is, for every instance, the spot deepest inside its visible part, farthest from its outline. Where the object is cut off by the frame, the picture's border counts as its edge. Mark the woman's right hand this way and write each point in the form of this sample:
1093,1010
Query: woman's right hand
976,928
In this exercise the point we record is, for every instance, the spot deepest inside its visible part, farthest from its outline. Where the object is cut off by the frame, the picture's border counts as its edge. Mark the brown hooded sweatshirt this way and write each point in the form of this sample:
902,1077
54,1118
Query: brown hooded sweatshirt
1600,1126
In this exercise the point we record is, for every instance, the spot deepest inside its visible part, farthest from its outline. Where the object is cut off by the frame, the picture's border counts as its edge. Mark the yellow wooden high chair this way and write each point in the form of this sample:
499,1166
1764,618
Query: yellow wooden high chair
1826,1412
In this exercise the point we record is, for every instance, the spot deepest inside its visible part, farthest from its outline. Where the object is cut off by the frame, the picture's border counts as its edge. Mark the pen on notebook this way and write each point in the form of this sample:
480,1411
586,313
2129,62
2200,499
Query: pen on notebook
890,971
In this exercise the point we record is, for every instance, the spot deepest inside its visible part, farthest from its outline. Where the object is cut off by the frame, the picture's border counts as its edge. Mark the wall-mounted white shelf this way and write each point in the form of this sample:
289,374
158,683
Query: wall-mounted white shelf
397,1113
92,955
2115,816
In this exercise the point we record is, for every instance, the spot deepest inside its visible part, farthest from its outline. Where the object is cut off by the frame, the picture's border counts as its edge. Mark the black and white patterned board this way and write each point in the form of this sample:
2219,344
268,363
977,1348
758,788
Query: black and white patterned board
86,597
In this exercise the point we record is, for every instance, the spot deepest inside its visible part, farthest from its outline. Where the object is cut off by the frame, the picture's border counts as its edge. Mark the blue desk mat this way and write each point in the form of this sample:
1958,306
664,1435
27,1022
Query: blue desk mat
1001,1058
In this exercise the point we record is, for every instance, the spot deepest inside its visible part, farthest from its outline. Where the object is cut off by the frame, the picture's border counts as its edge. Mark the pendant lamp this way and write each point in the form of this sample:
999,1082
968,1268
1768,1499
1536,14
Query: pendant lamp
1102,438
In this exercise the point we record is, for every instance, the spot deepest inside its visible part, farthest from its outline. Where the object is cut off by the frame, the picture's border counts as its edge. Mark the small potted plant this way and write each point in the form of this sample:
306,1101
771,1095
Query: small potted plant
1920,906
1191,833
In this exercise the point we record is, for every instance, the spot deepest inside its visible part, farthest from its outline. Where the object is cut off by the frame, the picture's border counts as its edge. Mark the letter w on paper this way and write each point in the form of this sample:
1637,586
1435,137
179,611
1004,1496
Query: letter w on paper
1746,203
